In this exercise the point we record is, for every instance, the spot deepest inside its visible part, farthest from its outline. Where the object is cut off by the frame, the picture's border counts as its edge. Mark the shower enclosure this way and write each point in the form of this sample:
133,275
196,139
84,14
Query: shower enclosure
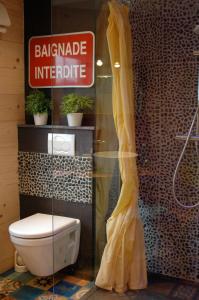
86,186
166,76
65,171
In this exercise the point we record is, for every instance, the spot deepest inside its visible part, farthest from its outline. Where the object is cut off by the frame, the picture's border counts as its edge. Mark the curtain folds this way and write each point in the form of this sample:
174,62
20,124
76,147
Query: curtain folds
123,264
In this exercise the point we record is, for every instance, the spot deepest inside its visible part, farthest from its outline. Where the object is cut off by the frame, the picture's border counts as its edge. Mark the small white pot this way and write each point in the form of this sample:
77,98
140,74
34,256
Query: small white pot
75,119
41,119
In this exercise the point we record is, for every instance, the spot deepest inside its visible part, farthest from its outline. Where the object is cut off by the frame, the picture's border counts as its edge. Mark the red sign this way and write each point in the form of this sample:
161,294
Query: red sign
63,60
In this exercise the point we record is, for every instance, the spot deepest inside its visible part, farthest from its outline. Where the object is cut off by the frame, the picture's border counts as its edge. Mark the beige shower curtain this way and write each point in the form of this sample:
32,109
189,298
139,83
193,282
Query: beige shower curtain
123,263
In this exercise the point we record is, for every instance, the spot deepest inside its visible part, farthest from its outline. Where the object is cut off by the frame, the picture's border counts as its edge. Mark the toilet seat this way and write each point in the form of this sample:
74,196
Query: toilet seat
49,240
39,226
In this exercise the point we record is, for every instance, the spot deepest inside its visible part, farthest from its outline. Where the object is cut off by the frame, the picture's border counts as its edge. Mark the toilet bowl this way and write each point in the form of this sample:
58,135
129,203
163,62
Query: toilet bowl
46,243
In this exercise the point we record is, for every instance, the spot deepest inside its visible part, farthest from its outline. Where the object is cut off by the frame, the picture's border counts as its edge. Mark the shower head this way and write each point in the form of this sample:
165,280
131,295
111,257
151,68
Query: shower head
196,29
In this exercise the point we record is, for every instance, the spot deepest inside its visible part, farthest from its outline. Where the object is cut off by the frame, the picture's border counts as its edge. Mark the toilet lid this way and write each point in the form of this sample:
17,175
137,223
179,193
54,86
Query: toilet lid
40,226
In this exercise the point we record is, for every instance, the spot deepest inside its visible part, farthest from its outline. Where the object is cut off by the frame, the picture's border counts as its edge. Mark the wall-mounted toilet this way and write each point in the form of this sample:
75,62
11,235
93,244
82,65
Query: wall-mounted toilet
46,243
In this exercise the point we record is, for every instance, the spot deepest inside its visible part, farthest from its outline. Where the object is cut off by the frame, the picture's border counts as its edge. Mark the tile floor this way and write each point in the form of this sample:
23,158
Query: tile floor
16,286
24,286
159,288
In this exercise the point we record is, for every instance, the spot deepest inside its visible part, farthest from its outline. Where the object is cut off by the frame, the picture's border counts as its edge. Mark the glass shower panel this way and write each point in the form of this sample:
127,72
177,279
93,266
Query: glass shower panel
86,183
73,192
107,179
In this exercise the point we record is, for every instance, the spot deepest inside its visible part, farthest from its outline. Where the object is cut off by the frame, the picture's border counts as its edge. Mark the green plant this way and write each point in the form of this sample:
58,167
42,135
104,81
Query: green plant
37,103
73,103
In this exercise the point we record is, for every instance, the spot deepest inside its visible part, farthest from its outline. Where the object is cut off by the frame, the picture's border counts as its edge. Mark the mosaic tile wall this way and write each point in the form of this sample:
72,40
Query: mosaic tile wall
166,74
53,176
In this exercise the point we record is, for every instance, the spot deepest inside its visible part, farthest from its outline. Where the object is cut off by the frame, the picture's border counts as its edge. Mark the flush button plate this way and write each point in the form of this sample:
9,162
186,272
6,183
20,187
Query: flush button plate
61,144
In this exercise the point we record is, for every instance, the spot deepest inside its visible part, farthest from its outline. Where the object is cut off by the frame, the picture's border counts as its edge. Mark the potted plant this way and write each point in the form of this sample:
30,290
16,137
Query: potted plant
38,105
73,106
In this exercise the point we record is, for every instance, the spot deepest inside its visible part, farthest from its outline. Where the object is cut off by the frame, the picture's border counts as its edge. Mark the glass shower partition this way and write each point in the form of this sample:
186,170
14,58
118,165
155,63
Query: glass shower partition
86,184
67,175
73,147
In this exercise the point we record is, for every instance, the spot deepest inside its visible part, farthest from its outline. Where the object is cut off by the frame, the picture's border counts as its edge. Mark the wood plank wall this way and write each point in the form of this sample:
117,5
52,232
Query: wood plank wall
11,114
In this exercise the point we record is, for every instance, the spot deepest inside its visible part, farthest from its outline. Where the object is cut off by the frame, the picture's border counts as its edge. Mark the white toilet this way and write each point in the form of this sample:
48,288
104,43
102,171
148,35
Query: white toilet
46,243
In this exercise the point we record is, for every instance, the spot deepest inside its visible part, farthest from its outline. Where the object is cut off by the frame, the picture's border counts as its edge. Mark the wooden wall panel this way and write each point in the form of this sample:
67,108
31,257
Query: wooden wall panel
12,108
9,204
11,114
11,81
8,133
15,32
11,55
7,249
14,5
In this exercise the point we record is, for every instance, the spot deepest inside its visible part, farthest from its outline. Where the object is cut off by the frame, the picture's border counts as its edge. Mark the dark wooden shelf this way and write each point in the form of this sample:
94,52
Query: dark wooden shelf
56,127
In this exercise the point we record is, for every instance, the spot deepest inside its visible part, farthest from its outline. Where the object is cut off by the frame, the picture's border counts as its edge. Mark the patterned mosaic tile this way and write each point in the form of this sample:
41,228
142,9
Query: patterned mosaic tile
65,288
27,293
160,288
61,177
44,283
25,286
8,286
76,280
22,277
166,79
50,296
82,292
7,273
